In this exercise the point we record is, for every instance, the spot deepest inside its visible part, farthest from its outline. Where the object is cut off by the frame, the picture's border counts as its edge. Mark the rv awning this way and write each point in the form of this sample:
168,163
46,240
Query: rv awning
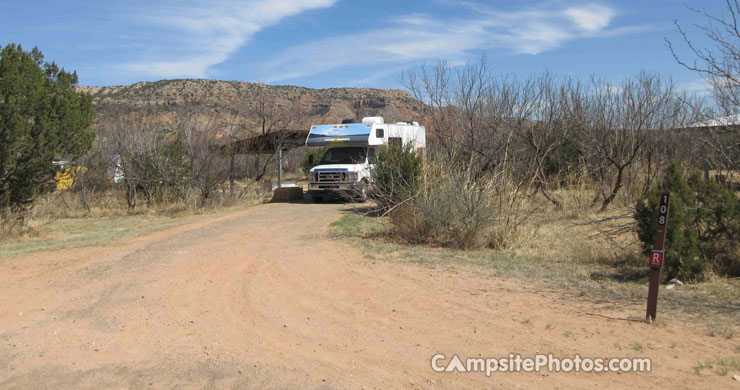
269,143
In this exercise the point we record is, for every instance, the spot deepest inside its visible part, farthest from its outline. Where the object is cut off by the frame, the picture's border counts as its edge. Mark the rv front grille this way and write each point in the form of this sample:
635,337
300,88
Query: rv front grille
332,177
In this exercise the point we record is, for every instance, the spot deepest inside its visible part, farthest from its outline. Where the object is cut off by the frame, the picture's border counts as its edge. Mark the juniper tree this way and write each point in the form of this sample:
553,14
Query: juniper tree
42,117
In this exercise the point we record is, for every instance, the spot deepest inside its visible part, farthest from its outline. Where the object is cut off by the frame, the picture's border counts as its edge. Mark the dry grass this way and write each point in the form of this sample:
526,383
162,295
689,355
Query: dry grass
80,232
566,250
112,203
60,220
64,233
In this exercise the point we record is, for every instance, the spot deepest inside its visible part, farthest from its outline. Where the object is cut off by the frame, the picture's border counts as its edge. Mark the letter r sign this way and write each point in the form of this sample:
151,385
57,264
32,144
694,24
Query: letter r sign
656,259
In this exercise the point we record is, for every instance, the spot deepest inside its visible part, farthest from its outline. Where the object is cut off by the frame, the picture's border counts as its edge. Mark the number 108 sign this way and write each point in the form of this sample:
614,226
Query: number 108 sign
657,256
663,212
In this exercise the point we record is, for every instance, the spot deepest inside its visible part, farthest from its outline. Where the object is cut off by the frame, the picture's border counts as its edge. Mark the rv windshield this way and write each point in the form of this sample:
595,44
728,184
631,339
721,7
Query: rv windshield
346,155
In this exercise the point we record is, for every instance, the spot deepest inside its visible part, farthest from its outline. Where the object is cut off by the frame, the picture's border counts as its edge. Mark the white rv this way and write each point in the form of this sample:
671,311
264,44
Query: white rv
351,147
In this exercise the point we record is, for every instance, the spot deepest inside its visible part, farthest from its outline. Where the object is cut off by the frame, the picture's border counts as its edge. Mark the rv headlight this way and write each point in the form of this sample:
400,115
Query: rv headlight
352,176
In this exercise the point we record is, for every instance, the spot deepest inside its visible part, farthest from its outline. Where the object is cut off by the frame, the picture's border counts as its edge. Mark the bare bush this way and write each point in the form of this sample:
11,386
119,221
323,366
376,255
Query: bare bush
147,157
165,156
208,167
12,222
454,209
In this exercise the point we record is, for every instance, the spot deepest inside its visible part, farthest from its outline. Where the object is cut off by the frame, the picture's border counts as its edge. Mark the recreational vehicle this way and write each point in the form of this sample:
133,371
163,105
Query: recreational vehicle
351,147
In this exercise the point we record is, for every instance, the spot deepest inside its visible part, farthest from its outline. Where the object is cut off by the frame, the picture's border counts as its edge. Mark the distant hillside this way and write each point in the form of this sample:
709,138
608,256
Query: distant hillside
318,105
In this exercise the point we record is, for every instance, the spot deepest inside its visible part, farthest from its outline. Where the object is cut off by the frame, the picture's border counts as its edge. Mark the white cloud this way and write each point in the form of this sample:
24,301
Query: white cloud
418,37
701,87
193,36
590,18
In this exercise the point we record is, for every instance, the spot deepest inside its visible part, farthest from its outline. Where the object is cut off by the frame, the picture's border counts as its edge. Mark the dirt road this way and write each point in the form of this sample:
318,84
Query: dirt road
265,298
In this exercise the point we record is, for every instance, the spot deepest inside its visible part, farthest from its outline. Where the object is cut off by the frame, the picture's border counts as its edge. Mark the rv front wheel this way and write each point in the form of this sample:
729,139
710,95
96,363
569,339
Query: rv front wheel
362,191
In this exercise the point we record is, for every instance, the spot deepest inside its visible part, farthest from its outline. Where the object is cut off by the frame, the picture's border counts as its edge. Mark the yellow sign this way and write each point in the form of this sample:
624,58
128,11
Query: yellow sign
66,178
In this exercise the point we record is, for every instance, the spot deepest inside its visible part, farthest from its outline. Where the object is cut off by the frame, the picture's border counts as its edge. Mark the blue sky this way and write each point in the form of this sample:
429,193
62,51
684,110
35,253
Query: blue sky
335,43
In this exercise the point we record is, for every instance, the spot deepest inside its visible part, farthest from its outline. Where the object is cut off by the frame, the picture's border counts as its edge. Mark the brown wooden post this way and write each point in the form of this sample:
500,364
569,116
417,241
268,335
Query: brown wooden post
657,256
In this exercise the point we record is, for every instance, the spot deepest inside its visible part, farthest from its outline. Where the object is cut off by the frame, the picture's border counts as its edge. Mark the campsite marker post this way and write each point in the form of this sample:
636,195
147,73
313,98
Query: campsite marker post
657,256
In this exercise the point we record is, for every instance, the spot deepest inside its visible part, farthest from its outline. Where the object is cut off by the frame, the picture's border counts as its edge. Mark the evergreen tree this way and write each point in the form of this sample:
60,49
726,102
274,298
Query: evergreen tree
682,237
703,226
42,117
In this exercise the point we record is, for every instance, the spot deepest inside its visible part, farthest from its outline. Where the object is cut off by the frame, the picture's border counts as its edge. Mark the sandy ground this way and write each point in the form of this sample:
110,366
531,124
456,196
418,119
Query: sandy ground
265,298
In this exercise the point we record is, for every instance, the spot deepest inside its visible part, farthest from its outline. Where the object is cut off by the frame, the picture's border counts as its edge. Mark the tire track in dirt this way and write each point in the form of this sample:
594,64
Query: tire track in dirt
265,298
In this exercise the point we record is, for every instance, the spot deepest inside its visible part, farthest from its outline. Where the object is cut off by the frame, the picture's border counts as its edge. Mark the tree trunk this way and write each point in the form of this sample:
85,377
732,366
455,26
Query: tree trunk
264,169
83,198
148,194
549,196
617,186
649,178
130,192
130,195
232,175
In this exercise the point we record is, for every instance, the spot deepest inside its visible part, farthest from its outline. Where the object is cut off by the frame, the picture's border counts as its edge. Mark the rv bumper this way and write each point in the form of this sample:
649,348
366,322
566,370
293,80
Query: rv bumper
331,187
334,191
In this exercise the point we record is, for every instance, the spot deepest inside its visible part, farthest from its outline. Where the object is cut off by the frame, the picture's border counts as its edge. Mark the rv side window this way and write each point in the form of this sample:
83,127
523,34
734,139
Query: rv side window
379,133
371,156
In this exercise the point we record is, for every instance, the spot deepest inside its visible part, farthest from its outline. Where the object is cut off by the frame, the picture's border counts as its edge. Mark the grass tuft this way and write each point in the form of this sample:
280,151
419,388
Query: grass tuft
720,365
723,330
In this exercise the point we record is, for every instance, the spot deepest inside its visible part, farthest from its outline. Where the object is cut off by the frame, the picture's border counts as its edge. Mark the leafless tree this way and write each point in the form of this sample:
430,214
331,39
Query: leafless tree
131,140
492,123
719,64
470,115
164,154
618,120
542,129
234,128
478,125
209,167
433,87
272,115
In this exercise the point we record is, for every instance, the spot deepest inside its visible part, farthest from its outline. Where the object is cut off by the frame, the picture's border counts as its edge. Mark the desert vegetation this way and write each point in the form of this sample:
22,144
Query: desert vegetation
507,156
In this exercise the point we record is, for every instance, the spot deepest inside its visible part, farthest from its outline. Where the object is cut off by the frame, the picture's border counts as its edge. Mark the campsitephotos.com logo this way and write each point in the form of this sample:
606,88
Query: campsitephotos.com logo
537,363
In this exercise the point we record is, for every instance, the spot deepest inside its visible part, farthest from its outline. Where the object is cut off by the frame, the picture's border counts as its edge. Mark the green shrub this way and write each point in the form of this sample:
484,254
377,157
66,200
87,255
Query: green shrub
397,174
682,239
718,222
565,159
702,230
